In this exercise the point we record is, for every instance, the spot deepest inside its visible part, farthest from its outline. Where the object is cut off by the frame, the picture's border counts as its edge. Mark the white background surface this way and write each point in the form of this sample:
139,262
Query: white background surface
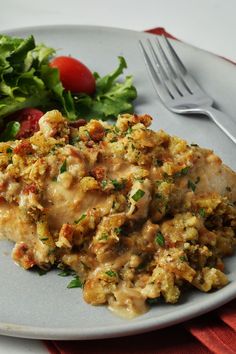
207,24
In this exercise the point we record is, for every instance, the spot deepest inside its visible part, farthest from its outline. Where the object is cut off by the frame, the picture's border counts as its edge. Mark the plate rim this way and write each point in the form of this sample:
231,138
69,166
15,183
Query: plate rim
128,328
115,29
121,330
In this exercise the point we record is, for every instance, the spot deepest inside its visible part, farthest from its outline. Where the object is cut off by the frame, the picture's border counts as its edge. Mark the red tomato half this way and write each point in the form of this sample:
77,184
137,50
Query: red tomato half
74,75
29,121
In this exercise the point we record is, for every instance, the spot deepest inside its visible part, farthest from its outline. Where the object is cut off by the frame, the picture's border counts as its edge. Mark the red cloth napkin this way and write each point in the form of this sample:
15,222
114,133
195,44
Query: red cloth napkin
211,333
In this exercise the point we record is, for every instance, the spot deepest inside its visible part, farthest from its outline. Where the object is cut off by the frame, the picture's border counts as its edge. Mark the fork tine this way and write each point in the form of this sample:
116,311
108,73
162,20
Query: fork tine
189,82
175,56
179,81
158,84
163,73
173,76
164,57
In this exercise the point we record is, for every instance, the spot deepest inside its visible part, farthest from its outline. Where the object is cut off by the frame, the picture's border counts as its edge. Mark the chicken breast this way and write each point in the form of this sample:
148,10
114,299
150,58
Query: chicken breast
135,213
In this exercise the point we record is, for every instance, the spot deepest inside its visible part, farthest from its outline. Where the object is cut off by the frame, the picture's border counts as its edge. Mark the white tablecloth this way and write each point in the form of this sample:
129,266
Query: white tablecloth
208,24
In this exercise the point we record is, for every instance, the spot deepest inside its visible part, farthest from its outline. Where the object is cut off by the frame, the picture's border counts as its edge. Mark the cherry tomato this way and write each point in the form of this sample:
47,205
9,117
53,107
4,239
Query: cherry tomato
29,121
74,75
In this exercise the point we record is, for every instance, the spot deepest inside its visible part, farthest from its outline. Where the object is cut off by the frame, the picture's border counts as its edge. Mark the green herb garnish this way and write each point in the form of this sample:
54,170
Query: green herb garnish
66,272
116,130
41,271
63,167
103,236
111,273
191,185
159,239
183,258
129,130
202,212
182,172
104,184
153,301
118,185
138,195
44,239
82,217
118,230
75,283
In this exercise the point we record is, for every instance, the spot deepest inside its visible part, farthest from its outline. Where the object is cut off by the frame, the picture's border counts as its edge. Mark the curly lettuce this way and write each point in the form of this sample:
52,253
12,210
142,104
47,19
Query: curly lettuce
27,80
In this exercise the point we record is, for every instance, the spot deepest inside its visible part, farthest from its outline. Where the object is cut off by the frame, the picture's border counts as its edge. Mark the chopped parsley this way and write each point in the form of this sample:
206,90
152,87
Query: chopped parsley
138,195
182,172
63,167
103,236
74,140
41,271
202,212
116,130
9,150
129,130
75,283
191,185
104,184
44,239
118,185
86,132
118,230
66,272
153,301
159,239
82,217
111,273
183,258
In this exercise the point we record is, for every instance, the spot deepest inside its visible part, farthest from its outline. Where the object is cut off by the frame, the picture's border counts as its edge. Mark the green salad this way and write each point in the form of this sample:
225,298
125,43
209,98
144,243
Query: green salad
28,80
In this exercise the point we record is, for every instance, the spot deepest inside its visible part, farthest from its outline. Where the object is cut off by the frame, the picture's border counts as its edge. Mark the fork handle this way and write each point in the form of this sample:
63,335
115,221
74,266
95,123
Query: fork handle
224,122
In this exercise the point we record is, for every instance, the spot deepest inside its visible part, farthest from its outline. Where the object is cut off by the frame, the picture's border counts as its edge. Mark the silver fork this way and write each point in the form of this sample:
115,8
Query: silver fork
177,89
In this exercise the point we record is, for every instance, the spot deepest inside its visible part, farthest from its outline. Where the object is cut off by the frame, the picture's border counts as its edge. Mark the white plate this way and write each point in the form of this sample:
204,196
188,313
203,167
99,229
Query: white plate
42,307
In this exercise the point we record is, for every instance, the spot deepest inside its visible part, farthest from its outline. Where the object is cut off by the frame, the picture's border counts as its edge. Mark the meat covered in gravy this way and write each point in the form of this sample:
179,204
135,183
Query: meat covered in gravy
137,214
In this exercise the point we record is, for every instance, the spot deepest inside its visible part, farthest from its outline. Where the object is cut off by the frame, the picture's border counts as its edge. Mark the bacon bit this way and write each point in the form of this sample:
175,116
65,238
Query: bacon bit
24,148
145,119
2,200
76,153
22,255
169,244
98,173
103,144
66,231
220,265
96,131
31,188
89,143
78,123
165,144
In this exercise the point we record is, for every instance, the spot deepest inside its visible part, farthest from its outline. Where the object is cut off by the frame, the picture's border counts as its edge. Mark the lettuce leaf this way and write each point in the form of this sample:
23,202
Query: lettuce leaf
111,97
